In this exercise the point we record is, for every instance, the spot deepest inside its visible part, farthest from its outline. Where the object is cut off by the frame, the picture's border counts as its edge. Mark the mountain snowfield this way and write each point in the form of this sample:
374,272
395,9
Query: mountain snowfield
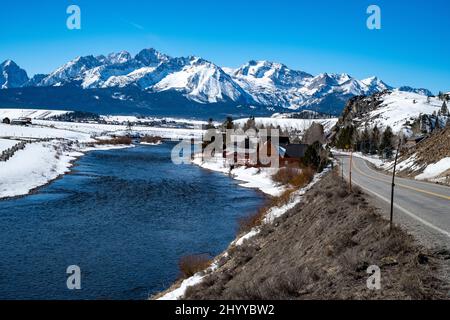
392,108
270,85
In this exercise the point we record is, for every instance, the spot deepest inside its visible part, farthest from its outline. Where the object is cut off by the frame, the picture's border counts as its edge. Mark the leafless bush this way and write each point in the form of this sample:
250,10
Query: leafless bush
115,141
192,264
151,139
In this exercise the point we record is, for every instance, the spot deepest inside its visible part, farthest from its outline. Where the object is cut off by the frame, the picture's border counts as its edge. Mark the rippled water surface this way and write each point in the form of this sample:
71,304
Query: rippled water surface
125,217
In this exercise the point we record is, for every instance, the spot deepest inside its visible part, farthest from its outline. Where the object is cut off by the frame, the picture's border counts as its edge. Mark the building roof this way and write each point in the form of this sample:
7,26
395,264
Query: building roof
295,150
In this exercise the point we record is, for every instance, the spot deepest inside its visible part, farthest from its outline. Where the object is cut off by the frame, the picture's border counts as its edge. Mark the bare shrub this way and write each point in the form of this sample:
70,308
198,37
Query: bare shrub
192,264
286,174
246,224
151,139
304,178
115,141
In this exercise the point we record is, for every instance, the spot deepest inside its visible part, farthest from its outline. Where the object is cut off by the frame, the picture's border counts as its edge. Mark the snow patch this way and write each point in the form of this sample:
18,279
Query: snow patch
434,170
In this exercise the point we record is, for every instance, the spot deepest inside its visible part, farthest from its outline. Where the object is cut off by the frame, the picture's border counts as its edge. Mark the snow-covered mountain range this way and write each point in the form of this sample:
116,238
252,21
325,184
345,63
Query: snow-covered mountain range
263,85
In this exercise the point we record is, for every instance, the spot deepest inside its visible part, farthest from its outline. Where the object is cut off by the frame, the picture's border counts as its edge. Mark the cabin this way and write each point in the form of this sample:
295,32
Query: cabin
413,141
21,121
293,151
6,121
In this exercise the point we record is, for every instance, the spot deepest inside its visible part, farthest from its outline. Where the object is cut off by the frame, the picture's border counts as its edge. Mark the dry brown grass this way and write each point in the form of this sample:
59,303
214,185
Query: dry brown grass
286,174
115,141
304,178
192,264
151,139
246,224
293,175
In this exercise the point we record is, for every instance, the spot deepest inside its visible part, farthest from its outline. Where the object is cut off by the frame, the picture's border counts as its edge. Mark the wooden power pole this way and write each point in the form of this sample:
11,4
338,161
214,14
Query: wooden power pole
393,185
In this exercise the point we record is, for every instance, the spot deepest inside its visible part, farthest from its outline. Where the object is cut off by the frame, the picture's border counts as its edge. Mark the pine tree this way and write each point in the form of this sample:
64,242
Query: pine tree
365,141
345,139
374,140
444,109
386,146
250,124
229,125
210,124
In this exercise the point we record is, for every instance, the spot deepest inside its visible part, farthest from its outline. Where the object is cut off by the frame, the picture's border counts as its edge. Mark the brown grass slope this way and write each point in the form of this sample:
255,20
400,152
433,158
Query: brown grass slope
321,250
430,150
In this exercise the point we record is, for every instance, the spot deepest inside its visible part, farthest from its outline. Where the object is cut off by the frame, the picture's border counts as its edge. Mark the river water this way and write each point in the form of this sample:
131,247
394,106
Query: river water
125,217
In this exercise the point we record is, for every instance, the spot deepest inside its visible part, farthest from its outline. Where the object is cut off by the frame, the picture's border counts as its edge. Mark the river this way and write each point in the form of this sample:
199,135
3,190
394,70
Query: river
125,217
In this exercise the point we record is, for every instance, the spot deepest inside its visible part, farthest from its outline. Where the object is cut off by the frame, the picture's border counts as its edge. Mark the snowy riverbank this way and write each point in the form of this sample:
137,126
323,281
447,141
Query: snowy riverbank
50,160
256,178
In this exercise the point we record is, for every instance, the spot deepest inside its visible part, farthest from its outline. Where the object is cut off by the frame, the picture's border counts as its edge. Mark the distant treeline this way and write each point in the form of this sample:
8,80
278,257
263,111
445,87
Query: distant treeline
76,116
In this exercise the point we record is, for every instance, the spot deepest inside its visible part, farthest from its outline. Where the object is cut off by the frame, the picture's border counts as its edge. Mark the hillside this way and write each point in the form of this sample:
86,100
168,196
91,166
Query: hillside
321,249
429,159
397,109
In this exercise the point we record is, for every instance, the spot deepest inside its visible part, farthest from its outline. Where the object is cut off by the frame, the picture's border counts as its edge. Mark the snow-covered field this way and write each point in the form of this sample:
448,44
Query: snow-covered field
41,132
33,167
291,124
94,129
29,113
124,119
6,144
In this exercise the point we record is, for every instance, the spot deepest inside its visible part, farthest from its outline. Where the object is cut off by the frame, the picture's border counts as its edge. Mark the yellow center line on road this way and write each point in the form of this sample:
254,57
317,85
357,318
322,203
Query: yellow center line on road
402,185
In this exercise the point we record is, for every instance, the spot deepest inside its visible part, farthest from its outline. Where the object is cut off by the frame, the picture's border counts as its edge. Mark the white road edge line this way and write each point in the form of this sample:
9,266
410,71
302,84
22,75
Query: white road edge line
409,213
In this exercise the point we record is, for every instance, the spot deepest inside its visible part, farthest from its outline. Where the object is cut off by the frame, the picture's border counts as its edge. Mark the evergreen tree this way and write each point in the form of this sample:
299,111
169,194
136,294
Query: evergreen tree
386,147
250,124
374,140
365,141
345,139
229,125
210,124
444,109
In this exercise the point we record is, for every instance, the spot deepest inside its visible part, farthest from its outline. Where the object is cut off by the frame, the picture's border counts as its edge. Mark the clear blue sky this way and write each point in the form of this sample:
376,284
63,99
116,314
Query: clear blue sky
412,48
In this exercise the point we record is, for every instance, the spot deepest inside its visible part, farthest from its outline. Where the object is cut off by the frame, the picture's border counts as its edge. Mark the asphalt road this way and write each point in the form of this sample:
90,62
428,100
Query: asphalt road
424,208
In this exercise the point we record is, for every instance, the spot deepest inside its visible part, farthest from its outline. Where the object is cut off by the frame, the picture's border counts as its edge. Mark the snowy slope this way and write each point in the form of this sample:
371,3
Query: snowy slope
29,113
42,133
5,144
398,107
203,82
19,175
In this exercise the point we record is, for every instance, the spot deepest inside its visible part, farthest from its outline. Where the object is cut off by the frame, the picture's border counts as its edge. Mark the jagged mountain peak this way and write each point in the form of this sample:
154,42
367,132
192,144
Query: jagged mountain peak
115,58
11,75
151,57
421,91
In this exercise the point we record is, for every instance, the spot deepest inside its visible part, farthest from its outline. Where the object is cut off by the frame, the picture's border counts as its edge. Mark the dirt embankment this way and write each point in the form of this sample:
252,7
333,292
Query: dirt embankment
322,249
431,150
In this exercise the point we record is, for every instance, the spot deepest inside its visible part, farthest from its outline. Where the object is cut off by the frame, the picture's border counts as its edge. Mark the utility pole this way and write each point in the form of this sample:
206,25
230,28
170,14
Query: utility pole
393,185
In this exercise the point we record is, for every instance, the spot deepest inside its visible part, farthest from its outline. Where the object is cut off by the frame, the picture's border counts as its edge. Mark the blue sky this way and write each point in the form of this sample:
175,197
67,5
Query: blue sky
412,48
